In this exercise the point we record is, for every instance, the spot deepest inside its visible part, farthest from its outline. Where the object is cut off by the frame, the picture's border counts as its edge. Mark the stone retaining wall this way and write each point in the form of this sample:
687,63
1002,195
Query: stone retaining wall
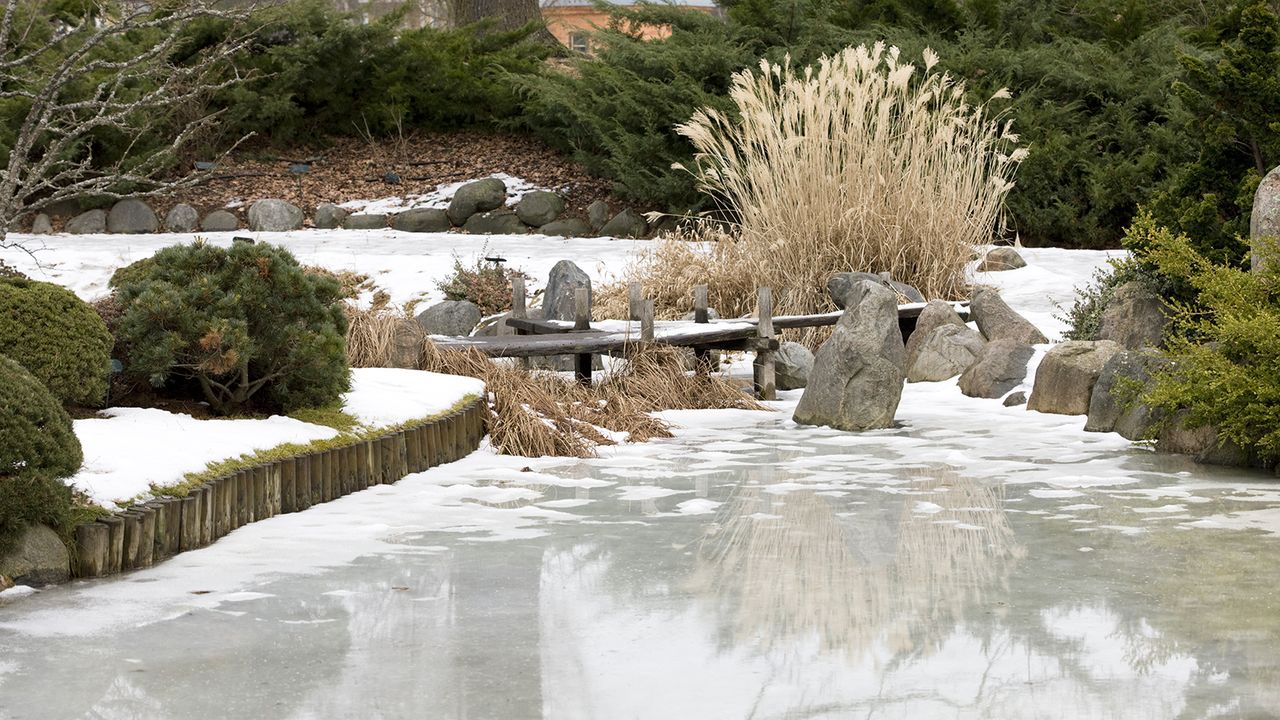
148,533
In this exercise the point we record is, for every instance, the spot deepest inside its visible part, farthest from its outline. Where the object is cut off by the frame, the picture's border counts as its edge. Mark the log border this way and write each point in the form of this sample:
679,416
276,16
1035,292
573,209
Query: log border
150,532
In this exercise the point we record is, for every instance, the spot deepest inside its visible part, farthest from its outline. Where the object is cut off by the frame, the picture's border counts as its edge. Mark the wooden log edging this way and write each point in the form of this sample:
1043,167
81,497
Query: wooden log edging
150,532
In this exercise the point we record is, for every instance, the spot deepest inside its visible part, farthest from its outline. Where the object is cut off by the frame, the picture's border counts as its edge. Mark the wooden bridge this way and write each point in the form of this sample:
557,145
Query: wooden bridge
582,339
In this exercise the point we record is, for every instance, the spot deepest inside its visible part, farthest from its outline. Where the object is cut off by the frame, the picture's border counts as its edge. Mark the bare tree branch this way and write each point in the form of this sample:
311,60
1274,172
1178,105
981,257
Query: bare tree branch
75,87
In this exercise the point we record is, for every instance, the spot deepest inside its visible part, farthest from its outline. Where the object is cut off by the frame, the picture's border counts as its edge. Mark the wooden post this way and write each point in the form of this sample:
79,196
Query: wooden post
328,475
635,300
302,482
346,479
206,515
92,541
413,455
582,321
288,485
646,321
260,493
147,543
431,443
168,526
132,539
244,498
763,369
115,543
189,539
517,297
701,315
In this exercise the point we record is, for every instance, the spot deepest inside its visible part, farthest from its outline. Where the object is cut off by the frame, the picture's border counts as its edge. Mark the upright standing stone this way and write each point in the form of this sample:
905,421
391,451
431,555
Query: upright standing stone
857,376
89,222
936,314
42,225
1264,223
998,321
182,219
329,216
1066,376
271,215
564,279
132,216
220,221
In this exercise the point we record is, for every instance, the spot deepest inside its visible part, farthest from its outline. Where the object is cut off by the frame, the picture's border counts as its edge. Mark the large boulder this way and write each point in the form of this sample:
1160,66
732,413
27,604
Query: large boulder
479,196
42,225
450,317
38,558
998,321
1179,436
1001,258
366,221
89,222
132,216
1264,223
1066,376
432,220
934,315
270,215
598,213
566,227
182,218
1115,404
329,216
220,221
562,284
499,222
999,368
841,284
792,365
626,224
539,207
856,381
947,351
1135,318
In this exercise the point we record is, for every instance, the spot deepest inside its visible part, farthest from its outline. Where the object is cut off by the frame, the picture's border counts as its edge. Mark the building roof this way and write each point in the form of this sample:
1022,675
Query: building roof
589,3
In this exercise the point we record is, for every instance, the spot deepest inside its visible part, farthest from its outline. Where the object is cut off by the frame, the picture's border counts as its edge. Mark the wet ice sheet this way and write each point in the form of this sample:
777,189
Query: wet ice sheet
1019,568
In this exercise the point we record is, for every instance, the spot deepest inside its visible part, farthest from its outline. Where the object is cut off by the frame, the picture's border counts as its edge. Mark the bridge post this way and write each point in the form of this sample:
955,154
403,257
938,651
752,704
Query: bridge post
763,368
635,300
582,321
646,321
702,356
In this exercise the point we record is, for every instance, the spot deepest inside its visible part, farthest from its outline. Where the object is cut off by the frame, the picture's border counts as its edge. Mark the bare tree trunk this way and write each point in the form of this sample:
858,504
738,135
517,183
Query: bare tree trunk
505,14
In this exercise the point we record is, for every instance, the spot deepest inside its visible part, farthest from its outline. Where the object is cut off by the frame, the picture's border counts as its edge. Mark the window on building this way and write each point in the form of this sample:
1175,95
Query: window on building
578,42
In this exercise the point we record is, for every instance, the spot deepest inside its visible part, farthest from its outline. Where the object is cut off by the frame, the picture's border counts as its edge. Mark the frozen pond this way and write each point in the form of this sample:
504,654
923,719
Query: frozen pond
978,562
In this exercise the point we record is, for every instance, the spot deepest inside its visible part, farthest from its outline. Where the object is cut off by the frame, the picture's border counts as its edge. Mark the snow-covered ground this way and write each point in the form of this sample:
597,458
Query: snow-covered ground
440,197
130,449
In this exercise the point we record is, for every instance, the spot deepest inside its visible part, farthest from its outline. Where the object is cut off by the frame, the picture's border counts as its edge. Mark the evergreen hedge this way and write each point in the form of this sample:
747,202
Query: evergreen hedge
58,338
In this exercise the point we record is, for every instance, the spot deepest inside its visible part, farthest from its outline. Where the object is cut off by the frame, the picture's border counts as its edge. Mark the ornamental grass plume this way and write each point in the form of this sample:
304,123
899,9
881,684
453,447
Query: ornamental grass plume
860,162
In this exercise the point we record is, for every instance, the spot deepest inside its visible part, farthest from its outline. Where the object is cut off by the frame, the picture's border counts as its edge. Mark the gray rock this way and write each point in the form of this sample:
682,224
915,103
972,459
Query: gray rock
494,326
539,207
1000,367
1135,318
88,222
220,221
182,218
1176,436
1015,399
1115,404
479,196
1001,258
947,351
274,216
498,222
934,315
566,227
366,221
792,365
65,208
431,220
841,284
132,216
598,213
856,381
42,225
450,317
562,283
1066,376
998,321
38,558
1264,223
626,224
329,216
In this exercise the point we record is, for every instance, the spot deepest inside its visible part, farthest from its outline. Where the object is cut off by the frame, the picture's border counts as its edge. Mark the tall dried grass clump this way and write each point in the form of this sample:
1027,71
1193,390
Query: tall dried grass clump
860,162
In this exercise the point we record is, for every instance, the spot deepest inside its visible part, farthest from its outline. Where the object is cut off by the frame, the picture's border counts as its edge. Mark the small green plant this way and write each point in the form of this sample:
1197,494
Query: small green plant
1225,351
35,432
485,283
240,328
58,337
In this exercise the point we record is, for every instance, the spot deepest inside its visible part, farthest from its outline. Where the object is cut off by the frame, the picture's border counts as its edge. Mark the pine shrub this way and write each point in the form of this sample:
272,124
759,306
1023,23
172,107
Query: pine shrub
35,432
58,338
242,328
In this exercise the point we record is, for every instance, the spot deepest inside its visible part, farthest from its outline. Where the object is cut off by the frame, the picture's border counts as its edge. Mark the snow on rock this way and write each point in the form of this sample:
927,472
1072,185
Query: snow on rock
1045,289
132,448
440,197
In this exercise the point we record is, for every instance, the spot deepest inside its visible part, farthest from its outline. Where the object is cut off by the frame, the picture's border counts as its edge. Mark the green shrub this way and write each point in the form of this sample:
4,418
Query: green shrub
58,338
35,432
241,328
30,499
487,284
1225,353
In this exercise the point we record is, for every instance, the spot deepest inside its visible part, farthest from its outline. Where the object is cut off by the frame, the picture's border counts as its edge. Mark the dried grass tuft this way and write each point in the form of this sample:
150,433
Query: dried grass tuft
857,163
